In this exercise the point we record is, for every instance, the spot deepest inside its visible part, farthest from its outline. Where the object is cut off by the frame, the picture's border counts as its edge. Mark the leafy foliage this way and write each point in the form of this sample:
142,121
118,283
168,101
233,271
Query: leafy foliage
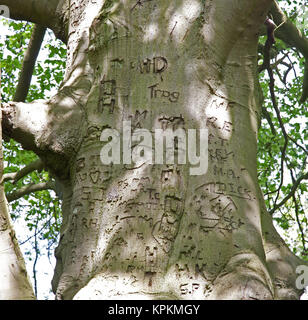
282,147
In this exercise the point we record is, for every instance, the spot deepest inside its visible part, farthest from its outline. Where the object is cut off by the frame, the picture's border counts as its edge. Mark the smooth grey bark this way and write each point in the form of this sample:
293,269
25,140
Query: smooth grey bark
155,231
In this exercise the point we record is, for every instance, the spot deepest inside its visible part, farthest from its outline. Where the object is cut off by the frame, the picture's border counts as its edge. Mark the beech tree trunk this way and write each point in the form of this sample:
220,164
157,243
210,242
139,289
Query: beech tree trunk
155,231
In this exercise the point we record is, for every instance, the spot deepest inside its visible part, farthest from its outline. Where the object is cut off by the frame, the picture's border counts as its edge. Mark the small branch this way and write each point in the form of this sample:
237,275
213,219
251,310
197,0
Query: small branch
15,176
291,63
297,215
36,258
283,155
270,26
266,65
267,116
291,193
31,54
268,45
37,232
284,80
300,146
50,185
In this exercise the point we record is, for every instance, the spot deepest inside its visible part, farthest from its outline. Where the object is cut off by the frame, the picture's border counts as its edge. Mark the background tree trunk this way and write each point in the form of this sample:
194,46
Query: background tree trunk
15,284
156,231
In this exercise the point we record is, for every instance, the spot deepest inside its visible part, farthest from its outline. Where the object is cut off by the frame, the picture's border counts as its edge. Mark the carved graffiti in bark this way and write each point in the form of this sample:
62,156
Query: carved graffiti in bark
107,96
155,93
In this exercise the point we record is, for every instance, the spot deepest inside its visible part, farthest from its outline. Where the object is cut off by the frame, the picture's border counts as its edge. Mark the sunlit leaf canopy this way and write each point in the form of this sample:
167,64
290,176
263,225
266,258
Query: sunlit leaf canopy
282,147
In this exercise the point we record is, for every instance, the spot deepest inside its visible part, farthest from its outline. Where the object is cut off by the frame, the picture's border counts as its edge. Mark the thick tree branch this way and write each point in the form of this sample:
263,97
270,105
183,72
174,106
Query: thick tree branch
46,13
288,33
29,63
25,122
15,176
50,185
30,125
47,128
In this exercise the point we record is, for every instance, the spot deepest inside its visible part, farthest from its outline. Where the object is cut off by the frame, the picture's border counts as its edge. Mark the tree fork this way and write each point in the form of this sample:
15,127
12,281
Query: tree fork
155,231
